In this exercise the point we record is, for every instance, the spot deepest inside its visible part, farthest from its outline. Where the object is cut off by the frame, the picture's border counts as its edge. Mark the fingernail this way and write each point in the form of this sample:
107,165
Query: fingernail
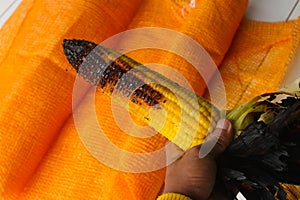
223,124
173,152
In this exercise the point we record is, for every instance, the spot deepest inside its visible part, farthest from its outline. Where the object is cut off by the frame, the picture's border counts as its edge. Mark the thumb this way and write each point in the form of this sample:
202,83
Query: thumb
224,132
218,140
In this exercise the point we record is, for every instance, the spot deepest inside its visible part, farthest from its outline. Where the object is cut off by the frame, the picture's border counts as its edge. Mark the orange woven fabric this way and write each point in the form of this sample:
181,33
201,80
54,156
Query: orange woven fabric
257,59
35,89
212,24
69,171
42,155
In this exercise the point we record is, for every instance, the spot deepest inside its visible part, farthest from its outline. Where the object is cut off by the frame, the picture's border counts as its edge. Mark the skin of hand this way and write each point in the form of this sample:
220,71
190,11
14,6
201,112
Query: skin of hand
191,175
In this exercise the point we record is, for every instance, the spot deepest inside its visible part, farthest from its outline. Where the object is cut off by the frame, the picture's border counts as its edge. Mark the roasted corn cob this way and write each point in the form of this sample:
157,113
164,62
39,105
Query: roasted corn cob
148,95
266,147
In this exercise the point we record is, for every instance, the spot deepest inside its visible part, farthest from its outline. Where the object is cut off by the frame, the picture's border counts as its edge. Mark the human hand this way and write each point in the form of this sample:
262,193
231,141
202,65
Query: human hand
191,175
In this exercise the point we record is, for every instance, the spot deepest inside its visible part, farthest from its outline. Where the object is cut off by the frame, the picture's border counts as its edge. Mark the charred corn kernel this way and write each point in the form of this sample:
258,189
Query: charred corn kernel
175,112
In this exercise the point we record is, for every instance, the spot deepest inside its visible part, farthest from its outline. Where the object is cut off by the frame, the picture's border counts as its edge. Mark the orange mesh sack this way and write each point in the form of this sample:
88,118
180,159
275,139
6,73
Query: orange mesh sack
43,151
35,89
202,22
257,59
73,172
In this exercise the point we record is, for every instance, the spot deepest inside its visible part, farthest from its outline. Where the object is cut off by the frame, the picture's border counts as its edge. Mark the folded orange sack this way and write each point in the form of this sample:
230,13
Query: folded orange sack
211,24
37,98
72,172
257,59
35,89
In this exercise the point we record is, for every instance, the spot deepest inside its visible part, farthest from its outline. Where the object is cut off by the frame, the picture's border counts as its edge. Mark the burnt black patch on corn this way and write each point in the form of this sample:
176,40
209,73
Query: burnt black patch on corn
128,83
77,50
133,87
101,67
146,94
111,75
94,64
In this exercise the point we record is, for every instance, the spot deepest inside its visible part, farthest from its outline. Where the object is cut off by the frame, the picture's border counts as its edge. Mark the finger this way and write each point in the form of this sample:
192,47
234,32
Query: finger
224,135
216,142
173,152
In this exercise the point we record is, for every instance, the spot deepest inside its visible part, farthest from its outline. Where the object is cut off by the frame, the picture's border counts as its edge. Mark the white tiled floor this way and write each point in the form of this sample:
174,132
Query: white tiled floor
261,10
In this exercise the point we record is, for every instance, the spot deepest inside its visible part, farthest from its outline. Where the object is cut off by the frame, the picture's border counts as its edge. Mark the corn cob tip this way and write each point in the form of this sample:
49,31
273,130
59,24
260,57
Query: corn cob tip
77,50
